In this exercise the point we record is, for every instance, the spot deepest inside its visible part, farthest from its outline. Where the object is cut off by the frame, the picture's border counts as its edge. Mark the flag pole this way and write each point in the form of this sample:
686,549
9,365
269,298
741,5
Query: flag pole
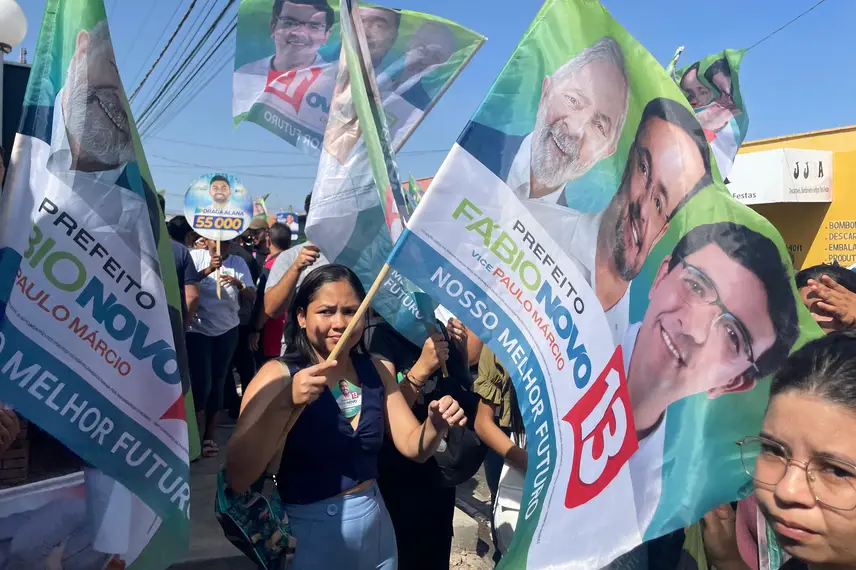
217,276
440,94
361,311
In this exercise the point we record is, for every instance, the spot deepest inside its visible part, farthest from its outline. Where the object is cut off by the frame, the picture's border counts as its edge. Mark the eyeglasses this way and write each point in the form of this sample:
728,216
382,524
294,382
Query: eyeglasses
832,482
289,23
729,331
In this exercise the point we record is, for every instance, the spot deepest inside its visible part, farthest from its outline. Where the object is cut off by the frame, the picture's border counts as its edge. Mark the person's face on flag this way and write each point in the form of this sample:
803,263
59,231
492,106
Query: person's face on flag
722,81
343,126
299,32
97,125
432,45
220,191
663,167
698,94
706,325
381,28
578,122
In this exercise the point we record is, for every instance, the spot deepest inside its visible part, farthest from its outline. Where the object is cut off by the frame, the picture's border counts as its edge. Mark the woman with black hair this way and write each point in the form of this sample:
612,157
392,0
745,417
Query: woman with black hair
803,462
425,541
330,459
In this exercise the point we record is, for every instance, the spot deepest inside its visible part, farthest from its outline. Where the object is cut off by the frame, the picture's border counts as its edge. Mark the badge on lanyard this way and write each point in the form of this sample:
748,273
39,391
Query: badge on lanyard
349,397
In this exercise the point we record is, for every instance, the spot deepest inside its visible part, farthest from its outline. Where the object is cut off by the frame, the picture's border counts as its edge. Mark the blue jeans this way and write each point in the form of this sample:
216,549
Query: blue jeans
352,532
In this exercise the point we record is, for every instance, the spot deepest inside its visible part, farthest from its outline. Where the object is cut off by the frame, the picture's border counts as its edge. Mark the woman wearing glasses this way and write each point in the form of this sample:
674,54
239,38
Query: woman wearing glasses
803,462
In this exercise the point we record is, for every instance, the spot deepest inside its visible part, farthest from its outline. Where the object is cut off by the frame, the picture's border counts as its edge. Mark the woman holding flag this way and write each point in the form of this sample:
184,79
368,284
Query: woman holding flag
327,476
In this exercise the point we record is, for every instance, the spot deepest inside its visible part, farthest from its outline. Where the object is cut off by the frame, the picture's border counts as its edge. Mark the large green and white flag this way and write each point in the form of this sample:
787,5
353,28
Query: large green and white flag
90,316
287,57
712,87
357,201
581,229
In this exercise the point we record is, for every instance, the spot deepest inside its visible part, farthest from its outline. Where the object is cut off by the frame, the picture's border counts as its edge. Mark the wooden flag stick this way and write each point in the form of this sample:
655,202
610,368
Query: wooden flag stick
361,311
217,276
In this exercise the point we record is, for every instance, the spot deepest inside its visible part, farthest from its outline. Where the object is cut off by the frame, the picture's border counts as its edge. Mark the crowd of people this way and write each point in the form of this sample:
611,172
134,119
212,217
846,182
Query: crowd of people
379,437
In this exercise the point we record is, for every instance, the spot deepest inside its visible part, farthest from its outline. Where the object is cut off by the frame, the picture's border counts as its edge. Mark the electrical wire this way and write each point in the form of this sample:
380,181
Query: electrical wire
776,31
186,83
174,60
182,165
279,152
163,51
163,92
157,43
142,27
196,80
193,92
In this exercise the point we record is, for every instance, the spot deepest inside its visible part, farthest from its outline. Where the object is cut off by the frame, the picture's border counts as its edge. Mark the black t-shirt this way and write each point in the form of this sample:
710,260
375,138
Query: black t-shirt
794,564
185,270
385,343
261,285
247,256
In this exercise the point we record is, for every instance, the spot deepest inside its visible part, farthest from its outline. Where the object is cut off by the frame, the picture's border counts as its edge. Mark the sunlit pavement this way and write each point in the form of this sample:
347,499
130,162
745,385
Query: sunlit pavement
209,550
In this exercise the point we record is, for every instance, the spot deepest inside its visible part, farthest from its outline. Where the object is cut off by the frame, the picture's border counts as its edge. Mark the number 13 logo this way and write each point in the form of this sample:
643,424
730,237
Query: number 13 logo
604,433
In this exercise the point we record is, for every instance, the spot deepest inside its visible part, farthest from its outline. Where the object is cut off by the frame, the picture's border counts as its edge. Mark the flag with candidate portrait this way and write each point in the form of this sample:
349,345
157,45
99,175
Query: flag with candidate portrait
91,333
286,63
581,229
712,87
357,201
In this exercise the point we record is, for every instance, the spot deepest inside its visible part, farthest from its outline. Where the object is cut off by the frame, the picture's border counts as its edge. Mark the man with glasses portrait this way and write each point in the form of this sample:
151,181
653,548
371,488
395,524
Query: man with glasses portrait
722,315
669,162
298,28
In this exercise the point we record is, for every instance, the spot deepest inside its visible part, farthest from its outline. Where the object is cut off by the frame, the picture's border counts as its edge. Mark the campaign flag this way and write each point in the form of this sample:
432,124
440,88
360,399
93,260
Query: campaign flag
357,198
579,227
286,62
292,220
712,87
89,307
260,211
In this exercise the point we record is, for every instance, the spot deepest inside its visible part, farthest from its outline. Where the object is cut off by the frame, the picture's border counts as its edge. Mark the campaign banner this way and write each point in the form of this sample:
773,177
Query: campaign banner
260,211
286,62
357,174
292,220
218,207
89,307
580,229
712,86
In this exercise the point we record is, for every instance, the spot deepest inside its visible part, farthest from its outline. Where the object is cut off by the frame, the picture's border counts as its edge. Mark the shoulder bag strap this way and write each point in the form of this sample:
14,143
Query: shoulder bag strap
276,460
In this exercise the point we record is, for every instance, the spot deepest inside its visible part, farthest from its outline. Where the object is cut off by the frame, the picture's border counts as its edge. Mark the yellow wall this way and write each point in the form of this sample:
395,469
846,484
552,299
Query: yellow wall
818,233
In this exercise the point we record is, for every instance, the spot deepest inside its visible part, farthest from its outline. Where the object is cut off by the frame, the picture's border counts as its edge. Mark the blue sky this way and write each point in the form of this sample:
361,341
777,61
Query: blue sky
802,79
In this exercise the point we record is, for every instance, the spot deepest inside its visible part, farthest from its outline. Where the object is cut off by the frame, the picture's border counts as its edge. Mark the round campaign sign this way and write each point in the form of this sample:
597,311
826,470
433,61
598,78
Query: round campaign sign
217,206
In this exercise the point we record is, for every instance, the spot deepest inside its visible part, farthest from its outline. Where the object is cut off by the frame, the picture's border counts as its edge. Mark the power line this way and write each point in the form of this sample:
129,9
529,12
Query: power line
163,51
157,43
184,86
774,32
192,94
192,166
174,77
175,60
279,152
142,27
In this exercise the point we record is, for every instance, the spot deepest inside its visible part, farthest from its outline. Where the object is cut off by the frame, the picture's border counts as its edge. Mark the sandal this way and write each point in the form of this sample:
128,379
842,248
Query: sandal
209,448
